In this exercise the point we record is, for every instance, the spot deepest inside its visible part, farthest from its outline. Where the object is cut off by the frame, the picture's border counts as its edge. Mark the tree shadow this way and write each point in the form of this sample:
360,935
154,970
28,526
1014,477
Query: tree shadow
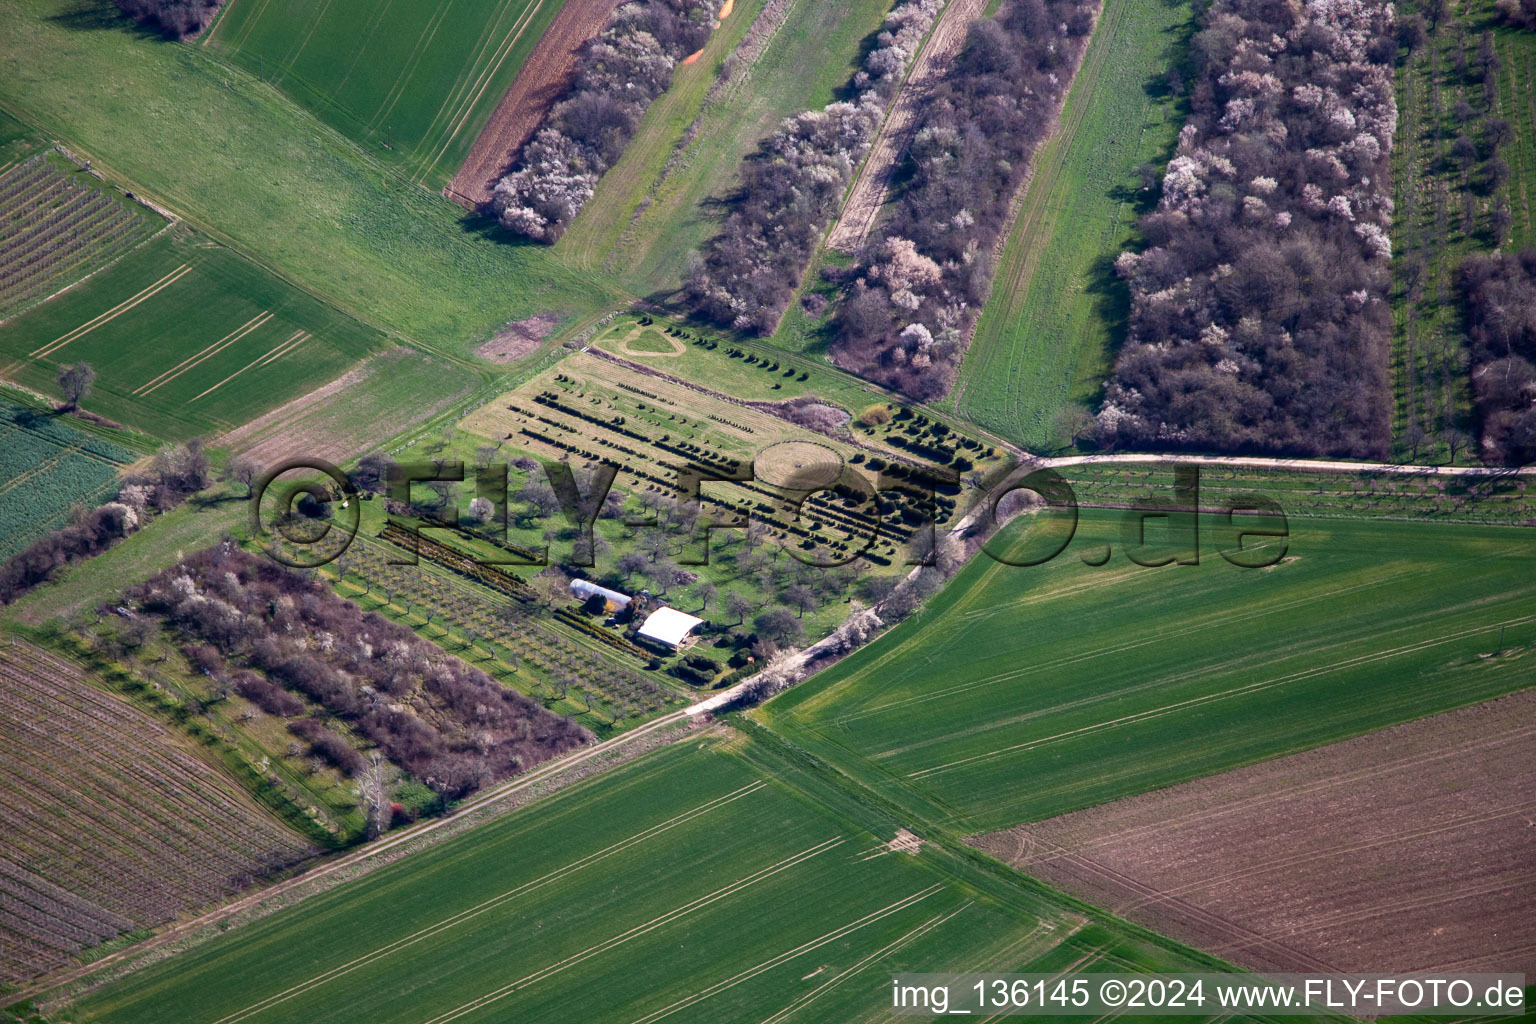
1112,305
484,225
102,16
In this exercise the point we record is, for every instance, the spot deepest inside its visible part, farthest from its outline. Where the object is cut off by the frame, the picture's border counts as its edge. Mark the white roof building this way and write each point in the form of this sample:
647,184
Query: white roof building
669,626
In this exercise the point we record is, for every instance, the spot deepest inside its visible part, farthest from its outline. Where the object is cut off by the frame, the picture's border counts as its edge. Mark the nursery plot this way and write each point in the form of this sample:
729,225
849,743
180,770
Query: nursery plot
186,338
112,825
57,226
1087,682
604,689
47,467
655,427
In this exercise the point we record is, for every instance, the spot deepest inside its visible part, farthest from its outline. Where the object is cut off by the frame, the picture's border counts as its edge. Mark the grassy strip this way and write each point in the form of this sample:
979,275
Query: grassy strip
1056,313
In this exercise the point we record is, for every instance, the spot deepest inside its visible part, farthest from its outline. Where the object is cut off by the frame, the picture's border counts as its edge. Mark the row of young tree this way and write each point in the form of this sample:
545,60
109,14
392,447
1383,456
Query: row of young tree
618,74
1500,296
793,184
173,475
178,18
1259,317
448,724
911,299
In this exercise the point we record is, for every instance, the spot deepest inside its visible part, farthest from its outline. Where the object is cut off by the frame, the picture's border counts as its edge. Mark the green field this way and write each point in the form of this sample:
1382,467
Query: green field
1048,333
186,338
688,885
46,467
248,165
654,206
414,82
1445,211
1077,685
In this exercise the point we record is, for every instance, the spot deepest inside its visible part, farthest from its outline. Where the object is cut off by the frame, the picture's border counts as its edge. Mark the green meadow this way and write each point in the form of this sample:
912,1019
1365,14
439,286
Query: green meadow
1024,692
1047,335
413,82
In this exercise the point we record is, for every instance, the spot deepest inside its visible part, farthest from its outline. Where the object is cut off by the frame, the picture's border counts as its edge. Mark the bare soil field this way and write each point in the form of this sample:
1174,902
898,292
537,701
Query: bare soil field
540,82
873,184
1410,849
112,824
519,339
340,420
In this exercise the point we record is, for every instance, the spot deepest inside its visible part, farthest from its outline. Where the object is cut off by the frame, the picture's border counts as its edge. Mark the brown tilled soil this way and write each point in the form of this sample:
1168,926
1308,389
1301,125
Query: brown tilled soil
518,339
1411,849
540,82
874,181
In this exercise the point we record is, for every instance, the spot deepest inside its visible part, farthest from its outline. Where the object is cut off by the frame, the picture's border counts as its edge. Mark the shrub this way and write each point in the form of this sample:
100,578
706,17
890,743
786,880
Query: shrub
448,724
1500,296
178,18
793,184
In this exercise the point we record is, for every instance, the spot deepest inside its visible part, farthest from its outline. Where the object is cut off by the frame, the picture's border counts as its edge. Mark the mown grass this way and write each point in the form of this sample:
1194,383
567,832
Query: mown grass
1048,334
667,889
660,201
415,83
216,298
1444,212
243,161
1021,693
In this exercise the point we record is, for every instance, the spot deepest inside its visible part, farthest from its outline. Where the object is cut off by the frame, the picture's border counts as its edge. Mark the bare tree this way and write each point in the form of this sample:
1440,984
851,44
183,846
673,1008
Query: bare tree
75,381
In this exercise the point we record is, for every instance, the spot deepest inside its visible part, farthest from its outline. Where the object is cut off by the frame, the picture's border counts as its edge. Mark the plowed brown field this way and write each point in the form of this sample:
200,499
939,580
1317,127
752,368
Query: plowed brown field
540,82
1411,849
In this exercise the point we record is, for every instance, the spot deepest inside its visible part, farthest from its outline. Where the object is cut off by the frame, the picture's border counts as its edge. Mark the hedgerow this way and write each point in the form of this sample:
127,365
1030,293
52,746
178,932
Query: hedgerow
917,288
618,75
1259,316
792,185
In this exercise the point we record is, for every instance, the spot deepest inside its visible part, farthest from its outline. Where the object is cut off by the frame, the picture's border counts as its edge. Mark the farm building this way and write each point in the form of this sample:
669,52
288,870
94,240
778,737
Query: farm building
669,627
586,590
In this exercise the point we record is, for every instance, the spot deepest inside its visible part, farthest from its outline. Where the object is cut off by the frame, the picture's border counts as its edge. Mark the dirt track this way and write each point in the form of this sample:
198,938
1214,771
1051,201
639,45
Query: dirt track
874,180
538,84
1406,850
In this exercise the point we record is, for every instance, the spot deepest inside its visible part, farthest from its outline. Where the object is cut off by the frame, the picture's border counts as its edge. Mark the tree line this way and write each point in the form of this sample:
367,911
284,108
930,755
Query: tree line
618,74
912,297
1500,296
1259,309
448,724
173,475
792,185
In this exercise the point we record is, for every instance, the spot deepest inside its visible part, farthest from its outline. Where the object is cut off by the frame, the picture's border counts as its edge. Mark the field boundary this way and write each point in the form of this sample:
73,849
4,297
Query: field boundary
539,82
